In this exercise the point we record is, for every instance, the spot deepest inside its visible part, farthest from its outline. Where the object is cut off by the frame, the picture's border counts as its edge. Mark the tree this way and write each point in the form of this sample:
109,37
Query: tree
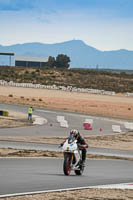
62,61
51,61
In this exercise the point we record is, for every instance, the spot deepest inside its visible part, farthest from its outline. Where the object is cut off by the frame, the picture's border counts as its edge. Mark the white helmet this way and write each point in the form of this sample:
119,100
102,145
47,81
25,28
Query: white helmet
74,132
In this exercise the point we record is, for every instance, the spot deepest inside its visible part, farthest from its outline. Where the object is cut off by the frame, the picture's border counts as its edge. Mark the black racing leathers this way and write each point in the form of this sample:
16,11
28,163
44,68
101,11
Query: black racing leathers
82,145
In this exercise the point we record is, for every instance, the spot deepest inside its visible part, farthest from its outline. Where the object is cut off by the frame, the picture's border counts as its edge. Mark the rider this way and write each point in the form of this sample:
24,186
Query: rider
82,144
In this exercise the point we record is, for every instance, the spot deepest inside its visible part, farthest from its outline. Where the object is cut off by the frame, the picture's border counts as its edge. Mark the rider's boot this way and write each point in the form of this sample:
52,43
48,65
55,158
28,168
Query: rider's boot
82,163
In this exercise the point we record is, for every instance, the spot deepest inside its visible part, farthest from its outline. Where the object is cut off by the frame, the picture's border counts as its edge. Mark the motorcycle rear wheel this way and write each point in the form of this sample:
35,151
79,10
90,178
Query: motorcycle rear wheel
67,166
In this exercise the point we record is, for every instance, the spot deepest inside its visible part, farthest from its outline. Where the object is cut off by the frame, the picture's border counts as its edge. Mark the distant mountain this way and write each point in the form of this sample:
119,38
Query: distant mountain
81,55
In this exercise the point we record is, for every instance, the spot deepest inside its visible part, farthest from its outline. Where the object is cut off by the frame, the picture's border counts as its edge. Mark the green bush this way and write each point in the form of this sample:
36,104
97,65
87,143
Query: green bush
5,113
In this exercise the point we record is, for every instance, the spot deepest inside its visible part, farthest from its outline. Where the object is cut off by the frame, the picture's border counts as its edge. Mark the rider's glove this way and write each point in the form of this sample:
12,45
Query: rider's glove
61,145
85,146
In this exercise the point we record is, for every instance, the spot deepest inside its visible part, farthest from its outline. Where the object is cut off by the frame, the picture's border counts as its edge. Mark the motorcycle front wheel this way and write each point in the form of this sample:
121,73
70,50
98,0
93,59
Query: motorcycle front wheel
67,165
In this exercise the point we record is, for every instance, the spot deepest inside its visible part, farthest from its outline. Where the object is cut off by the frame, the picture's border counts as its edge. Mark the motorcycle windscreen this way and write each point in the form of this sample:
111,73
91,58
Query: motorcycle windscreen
71,139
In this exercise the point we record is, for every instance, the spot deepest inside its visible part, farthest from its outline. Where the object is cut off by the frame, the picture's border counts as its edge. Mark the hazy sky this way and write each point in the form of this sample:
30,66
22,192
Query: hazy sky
103,24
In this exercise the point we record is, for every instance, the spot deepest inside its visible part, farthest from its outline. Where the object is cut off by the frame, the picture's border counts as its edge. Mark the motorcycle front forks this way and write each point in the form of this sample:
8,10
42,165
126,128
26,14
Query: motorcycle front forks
77,157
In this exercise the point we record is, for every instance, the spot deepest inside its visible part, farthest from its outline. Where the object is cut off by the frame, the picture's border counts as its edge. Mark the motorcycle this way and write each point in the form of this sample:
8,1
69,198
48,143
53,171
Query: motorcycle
72,157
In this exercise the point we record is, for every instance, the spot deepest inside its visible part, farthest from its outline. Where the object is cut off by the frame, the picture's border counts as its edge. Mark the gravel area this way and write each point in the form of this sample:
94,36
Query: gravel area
87,194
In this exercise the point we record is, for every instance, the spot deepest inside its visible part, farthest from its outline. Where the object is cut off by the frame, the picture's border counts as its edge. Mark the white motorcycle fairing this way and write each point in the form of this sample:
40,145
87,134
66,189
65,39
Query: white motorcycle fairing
72,148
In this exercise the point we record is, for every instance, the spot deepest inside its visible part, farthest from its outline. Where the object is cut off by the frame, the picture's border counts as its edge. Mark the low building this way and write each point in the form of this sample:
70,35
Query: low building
30,61
7,54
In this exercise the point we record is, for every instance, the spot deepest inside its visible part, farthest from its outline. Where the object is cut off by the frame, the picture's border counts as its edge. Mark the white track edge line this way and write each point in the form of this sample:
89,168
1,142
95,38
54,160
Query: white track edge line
60,190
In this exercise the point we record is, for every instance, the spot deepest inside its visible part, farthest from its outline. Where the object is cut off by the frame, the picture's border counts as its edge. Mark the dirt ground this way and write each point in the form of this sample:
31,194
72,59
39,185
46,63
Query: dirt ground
119,141
114,106
10,152
15,119
87,194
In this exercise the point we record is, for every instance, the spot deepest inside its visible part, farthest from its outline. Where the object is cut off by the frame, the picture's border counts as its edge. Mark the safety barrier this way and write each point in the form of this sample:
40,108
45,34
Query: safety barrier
90,121
60,118
129,94
116,128
87,126
64,124
62,121
67,88
39,121
54,87
128,125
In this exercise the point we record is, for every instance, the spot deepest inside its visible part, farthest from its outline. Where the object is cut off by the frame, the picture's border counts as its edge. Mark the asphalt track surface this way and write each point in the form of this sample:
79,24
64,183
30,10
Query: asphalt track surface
75,120
20,175
44,174
55,147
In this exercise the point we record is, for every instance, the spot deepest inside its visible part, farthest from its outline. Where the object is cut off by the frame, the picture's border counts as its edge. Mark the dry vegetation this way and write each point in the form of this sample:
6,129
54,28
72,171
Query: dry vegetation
83,78
10,152
120,141
14,119
11,123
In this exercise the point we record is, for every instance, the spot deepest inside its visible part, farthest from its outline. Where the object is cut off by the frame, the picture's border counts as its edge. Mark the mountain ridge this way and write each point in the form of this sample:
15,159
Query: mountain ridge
81,54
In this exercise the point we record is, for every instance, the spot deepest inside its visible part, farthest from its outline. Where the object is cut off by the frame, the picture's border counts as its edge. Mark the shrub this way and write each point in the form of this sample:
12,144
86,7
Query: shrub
70,74
38,70
10,95
26,72
5,113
